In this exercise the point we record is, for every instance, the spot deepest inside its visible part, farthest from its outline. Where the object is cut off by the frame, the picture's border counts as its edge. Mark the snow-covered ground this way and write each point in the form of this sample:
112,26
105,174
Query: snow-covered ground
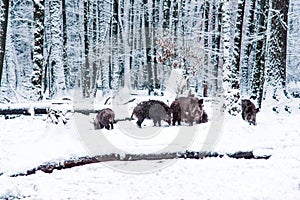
29,141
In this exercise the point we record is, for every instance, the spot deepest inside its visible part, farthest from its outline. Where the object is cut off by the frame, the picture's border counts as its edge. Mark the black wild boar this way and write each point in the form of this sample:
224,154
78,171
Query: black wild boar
152,109
249,111
104,118
191,109
176,112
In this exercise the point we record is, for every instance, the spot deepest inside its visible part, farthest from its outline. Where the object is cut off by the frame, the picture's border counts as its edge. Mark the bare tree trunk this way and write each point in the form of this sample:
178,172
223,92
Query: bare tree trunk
3,33
277,48
238,44
247,62
226,35
86,67
115,64
38,58
65,39
216,46
206,15
56,64
149,48
126,37
260,54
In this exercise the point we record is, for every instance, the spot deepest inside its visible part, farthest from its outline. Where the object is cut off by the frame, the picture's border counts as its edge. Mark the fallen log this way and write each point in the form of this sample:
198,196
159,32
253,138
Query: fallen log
236,155
23,111
33,108
86,111
125,119
50,167
75,162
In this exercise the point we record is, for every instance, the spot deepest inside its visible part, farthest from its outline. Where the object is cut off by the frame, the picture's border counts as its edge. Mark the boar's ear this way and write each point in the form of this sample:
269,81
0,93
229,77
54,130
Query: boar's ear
200,102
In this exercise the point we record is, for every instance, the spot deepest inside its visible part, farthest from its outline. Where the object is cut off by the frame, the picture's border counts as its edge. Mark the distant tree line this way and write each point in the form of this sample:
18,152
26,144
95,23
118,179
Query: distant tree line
48,47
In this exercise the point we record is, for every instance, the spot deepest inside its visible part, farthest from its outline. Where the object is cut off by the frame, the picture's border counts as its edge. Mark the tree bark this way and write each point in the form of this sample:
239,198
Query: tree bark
3,34
226,35
216,46
238,44
277,48
57,80
86,87
38,55
260,54
247,62
50,167
65,40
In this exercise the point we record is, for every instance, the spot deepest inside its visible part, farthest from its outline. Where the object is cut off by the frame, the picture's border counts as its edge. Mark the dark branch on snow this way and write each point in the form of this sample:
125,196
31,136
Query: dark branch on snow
75,162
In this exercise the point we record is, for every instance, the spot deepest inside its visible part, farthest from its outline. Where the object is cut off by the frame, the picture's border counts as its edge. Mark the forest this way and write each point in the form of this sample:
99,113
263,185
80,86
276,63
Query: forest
51,47
149,99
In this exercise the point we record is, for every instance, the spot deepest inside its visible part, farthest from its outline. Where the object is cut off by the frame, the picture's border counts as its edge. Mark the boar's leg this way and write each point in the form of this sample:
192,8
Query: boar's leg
154,122
112,125
204,117
101,125
96,124
174,122
139,122
243,115
159,123
176,118
190,120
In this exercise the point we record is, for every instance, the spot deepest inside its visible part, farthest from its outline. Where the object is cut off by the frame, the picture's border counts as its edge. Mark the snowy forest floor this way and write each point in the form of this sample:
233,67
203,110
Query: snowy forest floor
29,141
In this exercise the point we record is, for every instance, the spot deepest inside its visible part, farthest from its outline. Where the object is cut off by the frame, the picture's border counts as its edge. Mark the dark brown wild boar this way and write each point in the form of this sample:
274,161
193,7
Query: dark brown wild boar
104,118
191,109
152,109
249,111
176,112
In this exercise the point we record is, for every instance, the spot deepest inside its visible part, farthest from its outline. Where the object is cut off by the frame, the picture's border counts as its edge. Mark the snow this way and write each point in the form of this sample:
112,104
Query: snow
29,141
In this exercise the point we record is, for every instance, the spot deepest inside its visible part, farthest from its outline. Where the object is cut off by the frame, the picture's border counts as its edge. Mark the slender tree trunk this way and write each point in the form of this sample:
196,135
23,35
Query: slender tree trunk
216,46
126,37
238,44
277,48
86,68
206,16
149,50
104,13
166,15
3,34
247,62
226,35
94,47
38,56
56,64
260,54
152,31
115,73
65,50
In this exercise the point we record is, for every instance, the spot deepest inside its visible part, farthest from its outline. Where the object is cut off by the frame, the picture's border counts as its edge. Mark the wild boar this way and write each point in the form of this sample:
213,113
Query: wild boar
152,109
176,112
191,109
249,111
105,118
